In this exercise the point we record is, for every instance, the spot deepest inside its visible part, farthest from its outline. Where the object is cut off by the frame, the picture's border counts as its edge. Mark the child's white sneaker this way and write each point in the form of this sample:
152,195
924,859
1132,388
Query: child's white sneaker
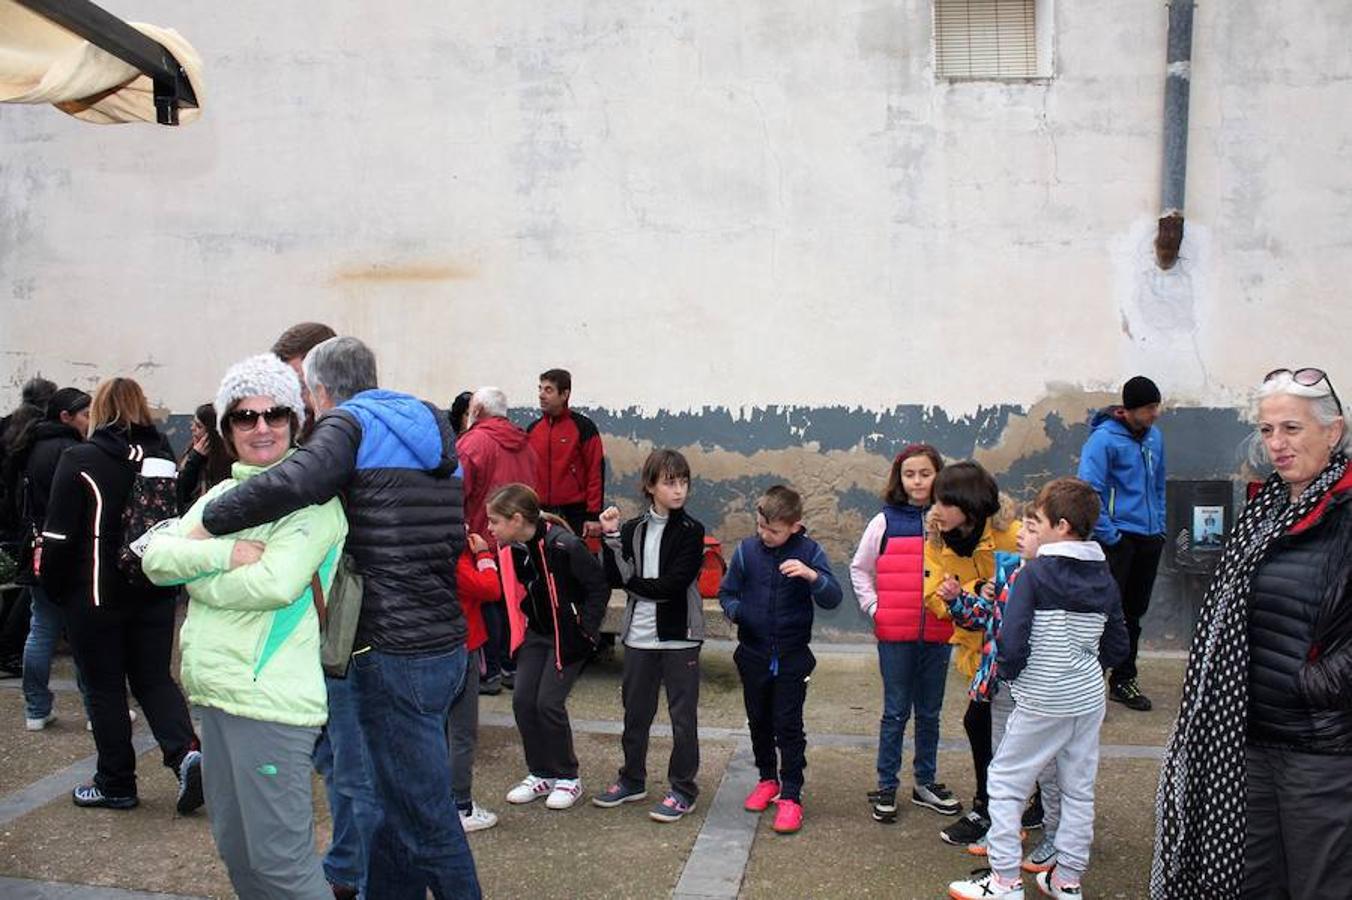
985,885
565,793
532,787
1049,883
476,818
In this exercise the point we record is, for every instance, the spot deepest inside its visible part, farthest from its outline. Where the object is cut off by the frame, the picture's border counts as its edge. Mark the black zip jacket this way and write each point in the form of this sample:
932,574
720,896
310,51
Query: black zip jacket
579,588
680,556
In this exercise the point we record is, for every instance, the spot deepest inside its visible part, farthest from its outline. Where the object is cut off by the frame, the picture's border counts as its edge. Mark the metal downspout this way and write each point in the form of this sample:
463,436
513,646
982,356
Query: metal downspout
1176,87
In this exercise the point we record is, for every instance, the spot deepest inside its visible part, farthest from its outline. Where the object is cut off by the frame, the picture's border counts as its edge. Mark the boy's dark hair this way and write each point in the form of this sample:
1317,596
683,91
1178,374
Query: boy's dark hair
780,503
895,493
970,488
562,379
1070,499
300,339
662,464
459,406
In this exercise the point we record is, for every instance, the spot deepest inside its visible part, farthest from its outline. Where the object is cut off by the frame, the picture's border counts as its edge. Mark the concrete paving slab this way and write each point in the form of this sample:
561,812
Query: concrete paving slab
23,889
718,860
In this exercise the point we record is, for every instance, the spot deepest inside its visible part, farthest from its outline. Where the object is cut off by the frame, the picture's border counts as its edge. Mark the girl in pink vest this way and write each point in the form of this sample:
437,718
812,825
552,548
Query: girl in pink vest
888,573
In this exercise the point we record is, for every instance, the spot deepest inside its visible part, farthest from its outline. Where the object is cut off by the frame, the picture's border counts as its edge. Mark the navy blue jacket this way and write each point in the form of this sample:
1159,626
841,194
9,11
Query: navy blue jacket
772,611
1127,470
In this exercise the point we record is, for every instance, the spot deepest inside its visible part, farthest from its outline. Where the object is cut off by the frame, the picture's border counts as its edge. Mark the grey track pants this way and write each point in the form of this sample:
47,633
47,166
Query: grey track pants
256,778
1030,742
1001,706
462,731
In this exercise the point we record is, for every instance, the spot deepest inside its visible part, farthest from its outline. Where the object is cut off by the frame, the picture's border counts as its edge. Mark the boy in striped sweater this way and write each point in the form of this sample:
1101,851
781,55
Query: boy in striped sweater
1062,626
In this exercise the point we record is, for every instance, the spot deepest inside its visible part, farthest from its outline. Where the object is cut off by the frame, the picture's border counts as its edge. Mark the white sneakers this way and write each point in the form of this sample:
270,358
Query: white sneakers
39,724
530,788
985,885
560,793
476,818
565,793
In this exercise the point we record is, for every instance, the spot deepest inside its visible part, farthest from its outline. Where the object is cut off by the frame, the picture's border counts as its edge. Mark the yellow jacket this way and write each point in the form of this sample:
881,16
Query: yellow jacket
940,562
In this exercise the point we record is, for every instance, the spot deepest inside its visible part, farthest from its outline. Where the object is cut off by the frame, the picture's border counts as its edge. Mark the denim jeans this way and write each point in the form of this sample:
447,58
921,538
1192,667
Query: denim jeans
44,632
340,757
403,701
913,679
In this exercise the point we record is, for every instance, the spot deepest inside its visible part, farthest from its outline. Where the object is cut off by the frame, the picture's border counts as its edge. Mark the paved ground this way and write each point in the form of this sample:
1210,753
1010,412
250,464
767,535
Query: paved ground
48,846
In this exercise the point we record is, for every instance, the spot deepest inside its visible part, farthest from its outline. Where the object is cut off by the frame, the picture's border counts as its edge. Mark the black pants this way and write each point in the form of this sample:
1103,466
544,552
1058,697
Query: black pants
538,702
1299,830
645,671
774,714
497,649
129,644
977,723
14,626
575,514
1134,560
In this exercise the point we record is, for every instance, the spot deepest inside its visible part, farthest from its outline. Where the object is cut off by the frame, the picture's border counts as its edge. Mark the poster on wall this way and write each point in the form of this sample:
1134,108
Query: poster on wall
1208,527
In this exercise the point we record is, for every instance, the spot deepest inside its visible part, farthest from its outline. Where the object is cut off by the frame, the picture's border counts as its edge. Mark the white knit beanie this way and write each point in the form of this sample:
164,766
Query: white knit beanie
263,375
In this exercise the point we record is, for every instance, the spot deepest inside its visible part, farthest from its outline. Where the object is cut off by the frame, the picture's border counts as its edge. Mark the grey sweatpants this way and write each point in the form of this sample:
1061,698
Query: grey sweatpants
256,778
1030,742
1001,706
462,731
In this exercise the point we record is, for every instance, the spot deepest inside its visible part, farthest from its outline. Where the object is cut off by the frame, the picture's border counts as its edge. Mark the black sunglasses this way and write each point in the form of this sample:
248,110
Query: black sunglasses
247,419
1307,377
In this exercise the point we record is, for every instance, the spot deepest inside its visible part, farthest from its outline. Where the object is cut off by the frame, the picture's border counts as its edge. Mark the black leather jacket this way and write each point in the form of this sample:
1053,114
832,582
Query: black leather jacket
405,524
1300,635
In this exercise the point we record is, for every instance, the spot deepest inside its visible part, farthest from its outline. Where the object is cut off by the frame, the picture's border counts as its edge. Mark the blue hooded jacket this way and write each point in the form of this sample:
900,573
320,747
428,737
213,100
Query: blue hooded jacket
1128,473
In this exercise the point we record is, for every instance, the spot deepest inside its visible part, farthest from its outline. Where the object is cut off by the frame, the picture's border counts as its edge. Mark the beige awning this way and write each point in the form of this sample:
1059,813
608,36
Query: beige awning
41,62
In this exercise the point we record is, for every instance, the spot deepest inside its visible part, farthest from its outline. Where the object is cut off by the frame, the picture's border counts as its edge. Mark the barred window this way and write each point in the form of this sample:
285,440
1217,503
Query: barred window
987,39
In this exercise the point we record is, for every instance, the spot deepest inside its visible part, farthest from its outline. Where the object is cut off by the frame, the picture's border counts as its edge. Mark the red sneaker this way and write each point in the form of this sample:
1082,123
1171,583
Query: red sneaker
761,795
788,816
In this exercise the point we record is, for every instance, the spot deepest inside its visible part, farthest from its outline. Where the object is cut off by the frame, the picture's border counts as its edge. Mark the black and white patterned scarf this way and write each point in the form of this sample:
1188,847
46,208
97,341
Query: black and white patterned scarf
1200,817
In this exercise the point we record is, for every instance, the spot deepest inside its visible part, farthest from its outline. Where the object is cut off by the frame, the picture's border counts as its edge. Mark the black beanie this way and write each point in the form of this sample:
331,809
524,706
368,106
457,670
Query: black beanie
1139,391
67,400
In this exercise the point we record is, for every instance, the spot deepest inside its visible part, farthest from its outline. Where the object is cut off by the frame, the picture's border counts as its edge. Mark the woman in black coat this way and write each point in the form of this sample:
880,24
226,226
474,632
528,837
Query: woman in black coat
121,628
1257,778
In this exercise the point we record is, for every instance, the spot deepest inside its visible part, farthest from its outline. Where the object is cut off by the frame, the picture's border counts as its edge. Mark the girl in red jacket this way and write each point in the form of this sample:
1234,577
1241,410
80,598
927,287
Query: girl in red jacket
888,574
476,583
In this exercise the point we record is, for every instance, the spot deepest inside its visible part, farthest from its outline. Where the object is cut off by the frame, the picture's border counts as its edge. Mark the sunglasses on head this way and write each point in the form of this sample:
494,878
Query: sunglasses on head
248,418
1307,377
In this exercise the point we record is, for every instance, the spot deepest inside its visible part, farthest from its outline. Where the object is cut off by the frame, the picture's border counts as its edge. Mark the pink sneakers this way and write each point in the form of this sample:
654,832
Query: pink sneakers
788,816
761,795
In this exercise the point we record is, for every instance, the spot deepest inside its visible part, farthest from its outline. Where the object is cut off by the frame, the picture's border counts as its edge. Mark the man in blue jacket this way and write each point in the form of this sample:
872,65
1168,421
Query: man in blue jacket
1124,461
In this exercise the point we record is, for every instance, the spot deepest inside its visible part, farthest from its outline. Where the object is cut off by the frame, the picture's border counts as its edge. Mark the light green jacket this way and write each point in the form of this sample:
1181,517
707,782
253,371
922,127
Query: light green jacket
251,640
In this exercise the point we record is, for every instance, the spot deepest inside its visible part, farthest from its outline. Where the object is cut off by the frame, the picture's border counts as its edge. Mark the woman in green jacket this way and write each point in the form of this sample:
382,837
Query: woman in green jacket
251,645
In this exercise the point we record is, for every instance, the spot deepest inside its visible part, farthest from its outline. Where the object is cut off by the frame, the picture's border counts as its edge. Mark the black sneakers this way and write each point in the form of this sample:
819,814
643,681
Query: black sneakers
190,783
89,795
967,830
1128,693
936,797
884,803
1033,813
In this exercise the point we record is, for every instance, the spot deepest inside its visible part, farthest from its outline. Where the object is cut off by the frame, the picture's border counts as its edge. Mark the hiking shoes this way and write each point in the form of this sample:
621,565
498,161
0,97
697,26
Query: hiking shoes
937,797
967,830
1042,857
985,885
672,807
1128,693
89,795
532,787
884,804
761,795
190,783
619,793
788,816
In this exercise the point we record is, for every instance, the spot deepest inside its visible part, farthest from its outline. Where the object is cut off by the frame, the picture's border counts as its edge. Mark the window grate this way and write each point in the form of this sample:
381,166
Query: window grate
985,38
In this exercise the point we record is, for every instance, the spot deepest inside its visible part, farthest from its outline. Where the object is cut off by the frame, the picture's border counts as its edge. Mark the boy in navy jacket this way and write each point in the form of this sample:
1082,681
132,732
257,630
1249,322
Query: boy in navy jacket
1062,626
768,592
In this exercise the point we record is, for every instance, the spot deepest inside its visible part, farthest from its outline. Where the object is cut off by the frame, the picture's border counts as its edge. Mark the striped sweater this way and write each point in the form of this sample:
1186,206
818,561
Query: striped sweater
1062,626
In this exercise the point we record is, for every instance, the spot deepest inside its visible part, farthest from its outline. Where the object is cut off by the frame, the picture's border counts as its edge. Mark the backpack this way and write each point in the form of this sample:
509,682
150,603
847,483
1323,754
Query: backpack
712,569
338,615
151,505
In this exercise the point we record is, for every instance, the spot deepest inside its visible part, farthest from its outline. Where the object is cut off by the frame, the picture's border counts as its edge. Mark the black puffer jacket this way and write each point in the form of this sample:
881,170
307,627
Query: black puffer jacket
392,459
579,587
1300,634
83,528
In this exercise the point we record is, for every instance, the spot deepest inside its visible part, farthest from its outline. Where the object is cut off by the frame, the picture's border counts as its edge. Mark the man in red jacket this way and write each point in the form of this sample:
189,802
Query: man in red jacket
572,468
493,452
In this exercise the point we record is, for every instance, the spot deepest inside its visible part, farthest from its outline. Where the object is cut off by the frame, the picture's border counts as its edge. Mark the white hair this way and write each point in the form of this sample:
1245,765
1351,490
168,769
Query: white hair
491,402
1323,407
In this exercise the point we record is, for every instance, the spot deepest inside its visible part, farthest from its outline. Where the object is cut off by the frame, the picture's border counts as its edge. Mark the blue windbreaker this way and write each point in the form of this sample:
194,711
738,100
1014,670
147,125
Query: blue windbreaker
1128,473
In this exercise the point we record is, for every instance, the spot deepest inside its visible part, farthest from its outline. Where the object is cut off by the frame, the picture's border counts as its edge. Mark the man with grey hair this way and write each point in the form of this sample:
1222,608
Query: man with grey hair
392,458
493,452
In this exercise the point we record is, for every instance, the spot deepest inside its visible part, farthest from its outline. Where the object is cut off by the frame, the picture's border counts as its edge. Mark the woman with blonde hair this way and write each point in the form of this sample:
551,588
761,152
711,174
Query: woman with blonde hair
121,630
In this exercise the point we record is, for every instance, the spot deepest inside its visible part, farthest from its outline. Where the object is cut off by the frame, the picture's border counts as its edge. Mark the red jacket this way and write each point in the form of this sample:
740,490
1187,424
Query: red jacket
570,453
493,453
476,583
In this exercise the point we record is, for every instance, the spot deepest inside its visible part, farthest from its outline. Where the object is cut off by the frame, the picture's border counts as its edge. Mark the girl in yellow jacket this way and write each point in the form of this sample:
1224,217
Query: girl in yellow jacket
960,548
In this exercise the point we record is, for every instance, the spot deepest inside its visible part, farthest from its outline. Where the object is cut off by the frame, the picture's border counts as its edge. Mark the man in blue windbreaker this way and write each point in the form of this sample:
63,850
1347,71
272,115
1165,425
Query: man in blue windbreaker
1124,461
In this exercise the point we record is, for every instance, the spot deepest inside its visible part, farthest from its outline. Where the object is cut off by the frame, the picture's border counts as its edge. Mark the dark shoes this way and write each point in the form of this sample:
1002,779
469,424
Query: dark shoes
618,793
937,797
491,686
1128,693
967,830
89,795
884,803
190,783
1033,813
